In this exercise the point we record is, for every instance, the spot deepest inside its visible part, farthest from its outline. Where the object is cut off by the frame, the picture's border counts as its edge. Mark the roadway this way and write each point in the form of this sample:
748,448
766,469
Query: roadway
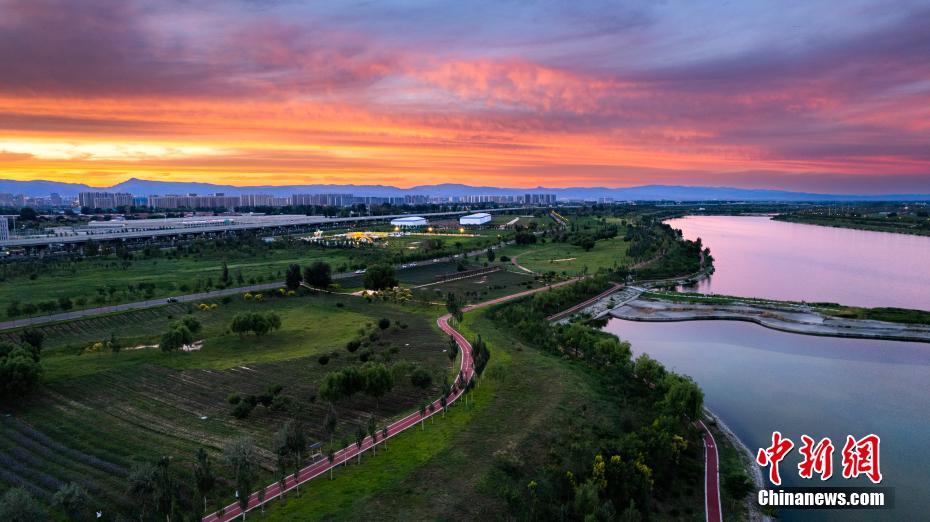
153,232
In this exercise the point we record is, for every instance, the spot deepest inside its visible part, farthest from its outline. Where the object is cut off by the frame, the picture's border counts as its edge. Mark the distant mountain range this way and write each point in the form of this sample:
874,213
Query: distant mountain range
140,187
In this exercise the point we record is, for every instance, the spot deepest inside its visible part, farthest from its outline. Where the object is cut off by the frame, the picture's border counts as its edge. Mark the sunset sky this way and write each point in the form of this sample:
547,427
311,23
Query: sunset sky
816,96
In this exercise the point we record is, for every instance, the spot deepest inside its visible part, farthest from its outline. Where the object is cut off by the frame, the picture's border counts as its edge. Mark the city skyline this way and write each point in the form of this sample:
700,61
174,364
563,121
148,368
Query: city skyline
829,98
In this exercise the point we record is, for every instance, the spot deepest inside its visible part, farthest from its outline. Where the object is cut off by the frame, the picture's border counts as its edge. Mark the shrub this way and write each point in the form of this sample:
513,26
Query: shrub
421,378
242,409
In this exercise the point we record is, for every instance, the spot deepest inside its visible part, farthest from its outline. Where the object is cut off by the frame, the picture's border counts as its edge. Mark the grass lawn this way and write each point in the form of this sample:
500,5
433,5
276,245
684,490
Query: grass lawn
97,414
482,287
567,259
107,280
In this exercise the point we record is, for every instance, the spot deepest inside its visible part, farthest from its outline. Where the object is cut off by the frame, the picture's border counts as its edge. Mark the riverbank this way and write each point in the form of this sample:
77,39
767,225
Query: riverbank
747,462
883,224
786,317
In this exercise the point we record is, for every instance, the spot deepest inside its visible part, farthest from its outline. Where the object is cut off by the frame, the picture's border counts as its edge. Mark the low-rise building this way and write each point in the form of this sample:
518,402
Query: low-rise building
409,221
476,219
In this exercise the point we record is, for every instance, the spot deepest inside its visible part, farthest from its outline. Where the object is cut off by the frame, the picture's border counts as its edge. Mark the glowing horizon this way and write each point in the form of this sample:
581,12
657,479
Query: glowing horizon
830,98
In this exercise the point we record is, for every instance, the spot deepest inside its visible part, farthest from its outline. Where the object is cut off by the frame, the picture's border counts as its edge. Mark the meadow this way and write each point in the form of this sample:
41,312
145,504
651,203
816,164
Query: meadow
567,259
97,414
39,287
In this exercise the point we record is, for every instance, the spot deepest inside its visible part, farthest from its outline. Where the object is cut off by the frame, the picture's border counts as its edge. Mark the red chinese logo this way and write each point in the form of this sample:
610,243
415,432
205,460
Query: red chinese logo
817,459
774,454
860,457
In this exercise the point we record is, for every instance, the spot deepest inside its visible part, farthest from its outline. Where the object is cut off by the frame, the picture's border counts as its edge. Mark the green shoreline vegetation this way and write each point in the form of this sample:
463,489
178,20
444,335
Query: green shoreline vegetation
887,314
913,219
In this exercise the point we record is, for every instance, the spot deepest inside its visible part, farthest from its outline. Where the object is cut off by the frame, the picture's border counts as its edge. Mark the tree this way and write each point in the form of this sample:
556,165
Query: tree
378,380
359,440
295,442
738,484
74,501
318,275
165,490
141,487
20,370
421,378
34,338
525,238
175,338
259,324
188,321
380,277
649,369
261,499
241,456
384,323
491,255
204,477
292,278
329,424
224,278
331,457
373,433
16,505
453,351
454,305
28,214
114,343
683,397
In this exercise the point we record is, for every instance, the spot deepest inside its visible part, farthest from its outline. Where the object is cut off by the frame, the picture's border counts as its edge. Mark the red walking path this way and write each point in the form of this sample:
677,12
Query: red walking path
466,372
711,477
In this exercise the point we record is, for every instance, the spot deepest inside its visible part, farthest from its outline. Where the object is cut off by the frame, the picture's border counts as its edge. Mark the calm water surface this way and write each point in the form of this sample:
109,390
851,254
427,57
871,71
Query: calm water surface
760,380
758,257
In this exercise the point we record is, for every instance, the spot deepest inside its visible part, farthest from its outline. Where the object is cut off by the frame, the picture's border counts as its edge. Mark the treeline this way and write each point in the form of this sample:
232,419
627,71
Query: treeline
586,233
674,256
625,471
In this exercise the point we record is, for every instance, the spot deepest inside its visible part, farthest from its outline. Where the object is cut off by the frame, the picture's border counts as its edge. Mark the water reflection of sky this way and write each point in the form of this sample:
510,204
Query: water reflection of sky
755,256
760,380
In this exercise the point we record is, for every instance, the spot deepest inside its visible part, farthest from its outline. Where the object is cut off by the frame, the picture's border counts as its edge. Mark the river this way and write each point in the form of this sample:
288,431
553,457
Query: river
759,257
760,380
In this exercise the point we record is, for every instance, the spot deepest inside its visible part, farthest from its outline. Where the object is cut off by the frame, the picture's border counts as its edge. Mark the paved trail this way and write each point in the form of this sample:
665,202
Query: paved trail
712,508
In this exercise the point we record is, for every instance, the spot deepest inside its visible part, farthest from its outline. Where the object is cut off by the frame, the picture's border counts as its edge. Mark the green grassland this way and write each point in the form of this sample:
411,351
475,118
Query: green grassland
567,259
481,288
98,414
111,279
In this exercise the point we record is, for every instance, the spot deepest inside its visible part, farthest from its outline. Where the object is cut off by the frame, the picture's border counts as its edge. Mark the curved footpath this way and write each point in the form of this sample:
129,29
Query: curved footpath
712,509
466,373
